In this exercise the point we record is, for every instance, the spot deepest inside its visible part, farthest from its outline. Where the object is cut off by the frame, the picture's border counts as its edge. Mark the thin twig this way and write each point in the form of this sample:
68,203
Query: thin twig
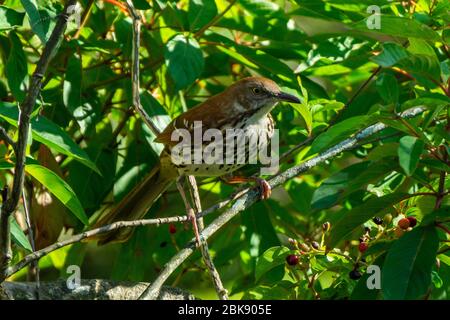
89,234
216,19
215,276
135,68
25,109
5,137
249,197
84,18
35,264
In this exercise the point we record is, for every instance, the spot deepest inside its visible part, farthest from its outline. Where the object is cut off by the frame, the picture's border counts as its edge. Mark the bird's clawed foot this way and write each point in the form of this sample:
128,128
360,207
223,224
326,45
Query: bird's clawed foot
263,185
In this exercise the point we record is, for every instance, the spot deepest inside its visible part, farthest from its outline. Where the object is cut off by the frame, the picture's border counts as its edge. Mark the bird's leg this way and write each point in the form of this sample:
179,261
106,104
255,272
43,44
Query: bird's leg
189,210
263,185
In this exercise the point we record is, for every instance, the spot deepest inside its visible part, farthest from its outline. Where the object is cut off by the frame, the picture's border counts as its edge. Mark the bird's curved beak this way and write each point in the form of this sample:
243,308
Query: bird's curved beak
283,96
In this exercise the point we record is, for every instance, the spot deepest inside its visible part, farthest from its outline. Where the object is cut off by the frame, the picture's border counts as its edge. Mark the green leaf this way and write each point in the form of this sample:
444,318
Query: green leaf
270,259
200,13
267,62
41,21
141,4
348,180
398,27
338,132
360,214
123,29
184,60
406,273
422,66
50,134
387,86
72,84
392,53
59,188
409,152
16,69
259,7
305,113
10,18
18,236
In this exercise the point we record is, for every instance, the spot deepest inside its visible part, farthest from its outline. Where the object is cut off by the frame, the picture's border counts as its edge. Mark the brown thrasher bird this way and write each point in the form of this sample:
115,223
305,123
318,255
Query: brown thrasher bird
244,105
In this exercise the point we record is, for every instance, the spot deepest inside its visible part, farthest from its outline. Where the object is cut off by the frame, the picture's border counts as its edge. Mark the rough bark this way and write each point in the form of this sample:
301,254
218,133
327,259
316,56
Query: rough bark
91,289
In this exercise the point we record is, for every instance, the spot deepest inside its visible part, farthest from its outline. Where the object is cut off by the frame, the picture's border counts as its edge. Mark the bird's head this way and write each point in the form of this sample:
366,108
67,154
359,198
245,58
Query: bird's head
255,93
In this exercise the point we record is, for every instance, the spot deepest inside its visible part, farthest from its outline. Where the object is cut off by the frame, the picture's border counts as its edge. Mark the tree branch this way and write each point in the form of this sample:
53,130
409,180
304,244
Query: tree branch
89,289
25,109
215,276
88,234
249,197
135,68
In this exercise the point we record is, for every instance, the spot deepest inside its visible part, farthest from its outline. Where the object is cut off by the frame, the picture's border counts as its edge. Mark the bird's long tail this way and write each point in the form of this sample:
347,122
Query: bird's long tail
134,206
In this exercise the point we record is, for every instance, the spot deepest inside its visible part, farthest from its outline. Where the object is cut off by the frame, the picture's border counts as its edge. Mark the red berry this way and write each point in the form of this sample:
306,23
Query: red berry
172,229
412,221
403,223
292,259
363,247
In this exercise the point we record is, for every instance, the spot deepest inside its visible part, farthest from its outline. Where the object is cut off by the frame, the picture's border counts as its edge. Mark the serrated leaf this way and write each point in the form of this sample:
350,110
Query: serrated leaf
409,152
59,188
406,272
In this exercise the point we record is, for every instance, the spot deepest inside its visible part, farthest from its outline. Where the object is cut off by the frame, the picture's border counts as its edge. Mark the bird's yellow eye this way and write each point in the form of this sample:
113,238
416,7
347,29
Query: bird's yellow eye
256,90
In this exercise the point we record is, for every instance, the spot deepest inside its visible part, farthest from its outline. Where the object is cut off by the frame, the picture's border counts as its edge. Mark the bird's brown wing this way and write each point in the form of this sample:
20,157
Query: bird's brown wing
212,114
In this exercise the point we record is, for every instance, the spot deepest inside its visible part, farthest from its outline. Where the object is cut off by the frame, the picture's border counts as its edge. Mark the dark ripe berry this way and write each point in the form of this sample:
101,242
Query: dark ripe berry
326,226
292,259
363,247
163,244
377,220
367,229
315,245
172,228
403,223
355,274
412,221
